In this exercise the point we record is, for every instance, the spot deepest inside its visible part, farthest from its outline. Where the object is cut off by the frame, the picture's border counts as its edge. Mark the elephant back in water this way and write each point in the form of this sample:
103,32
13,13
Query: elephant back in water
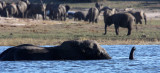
68,50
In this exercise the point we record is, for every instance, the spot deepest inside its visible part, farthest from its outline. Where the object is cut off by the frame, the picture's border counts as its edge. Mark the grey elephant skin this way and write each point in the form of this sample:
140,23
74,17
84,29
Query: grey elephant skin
34,9
57,11
23,7
139,15
124,20
68,50
11,10
93,13
2,8
79,16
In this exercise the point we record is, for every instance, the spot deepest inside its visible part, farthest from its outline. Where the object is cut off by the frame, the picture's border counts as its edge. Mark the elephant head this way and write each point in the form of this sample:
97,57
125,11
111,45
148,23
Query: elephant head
93,50
107,16
67,8
98,6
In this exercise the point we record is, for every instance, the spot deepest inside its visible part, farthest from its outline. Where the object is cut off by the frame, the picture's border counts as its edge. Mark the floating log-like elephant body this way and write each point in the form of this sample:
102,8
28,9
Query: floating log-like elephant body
68,50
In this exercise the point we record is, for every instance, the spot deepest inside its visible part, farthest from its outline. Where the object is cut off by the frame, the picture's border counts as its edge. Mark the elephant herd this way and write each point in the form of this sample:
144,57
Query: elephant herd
112,16
25,9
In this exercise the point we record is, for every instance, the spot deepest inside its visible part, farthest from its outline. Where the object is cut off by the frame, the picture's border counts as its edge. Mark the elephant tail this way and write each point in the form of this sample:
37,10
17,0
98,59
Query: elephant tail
145,18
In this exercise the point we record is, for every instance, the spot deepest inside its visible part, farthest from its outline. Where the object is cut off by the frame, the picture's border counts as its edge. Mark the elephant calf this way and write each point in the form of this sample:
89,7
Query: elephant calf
68,50
124,20
79,15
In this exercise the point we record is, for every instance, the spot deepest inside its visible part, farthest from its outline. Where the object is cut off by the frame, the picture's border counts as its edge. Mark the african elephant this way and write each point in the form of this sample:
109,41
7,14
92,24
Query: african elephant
124,20
79,16
23,7
35,9
98,6
139,15
93,14
58,11
68,50
11,10
2,8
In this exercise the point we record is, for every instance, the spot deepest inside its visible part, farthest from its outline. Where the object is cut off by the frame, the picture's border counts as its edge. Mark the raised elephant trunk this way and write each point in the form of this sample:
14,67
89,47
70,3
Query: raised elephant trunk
132,53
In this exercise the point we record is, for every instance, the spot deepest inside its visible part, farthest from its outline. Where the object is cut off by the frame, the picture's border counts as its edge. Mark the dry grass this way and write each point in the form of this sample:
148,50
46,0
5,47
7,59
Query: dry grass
38,32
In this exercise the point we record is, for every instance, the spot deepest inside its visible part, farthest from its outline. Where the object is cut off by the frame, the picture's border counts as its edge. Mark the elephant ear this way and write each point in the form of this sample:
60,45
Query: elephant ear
67,8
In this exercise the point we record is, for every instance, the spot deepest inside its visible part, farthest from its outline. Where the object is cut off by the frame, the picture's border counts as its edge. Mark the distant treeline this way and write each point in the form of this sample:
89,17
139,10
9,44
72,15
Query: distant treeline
70,1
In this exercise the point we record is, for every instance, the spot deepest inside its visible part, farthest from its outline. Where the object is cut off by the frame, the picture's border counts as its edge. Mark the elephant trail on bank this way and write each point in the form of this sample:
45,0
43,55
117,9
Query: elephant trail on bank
68,50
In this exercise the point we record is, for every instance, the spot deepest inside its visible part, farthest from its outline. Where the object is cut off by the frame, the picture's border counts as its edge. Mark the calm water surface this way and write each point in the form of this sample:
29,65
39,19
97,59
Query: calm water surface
147,60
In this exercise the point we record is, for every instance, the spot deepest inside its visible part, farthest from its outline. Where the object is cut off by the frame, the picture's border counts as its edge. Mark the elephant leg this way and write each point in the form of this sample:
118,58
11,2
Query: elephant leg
136,28
96,20
129,30
140,22
105,32
65,17
117,30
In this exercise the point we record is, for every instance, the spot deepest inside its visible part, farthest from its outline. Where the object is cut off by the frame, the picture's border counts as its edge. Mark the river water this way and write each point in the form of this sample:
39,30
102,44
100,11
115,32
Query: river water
147,60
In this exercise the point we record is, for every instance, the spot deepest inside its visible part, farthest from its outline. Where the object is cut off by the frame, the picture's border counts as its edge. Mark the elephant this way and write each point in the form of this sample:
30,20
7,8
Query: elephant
139,15
124,20
79,16
68,50
2,8
34,9
92,15
11,10
131,57
23,7
98,6
57,11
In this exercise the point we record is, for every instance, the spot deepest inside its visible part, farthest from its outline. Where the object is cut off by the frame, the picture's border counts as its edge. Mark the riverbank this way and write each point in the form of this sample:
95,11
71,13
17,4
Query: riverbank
15,31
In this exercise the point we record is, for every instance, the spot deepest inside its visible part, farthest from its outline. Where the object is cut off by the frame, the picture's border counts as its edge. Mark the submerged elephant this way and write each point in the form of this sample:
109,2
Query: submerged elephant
68,50
124,20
